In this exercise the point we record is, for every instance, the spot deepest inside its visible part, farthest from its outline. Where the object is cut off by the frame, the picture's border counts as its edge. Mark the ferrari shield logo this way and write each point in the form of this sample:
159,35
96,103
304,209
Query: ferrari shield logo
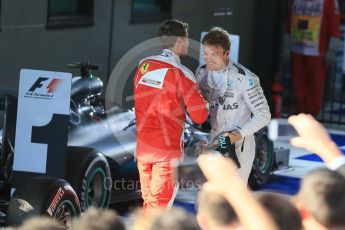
144,68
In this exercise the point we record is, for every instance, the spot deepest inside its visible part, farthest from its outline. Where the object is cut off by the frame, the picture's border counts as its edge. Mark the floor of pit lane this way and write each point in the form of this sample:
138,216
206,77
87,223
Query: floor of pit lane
285,182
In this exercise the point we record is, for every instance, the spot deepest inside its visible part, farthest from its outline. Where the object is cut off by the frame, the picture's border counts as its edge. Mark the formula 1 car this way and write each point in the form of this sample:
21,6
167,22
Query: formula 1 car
99,146
101,167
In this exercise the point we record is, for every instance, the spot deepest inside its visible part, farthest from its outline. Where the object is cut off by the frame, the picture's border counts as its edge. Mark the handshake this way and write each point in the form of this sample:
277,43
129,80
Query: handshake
221,144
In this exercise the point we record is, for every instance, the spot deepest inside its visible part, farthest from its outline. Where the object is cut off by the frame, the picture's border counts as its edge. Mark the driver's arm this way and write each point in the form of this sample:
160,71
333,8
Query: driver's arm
197,106
255,99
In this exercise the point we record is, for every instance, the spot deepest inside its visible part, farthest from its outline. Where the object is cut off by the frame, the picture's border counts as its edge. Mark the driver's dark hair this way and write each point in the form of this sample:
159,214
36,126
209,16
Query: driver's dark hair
169,30
217,37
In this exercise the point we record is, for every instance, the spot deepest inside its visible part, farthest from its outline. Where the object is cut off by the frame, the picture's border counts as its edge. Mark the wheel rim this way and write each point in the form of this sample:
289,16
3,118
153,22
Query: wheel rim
264,161
74,117
65,212
96,194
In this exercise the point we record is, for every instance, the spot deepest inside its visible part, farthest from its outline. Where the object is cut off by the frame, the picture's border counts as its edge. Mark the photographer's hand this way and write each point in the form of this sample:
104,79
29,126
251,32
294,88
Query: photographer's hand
229,184
313,137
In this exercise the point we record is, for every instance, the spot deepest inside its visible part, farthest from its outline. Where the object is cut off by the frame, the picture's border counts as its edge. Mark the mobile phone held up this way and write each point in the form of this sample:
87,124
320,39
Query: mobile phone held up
281,130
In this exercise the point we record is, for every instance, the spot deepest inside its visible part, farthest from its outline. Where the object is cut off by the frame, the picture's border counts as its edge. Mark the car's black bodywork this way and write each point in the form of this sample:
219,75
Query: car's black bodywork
112,134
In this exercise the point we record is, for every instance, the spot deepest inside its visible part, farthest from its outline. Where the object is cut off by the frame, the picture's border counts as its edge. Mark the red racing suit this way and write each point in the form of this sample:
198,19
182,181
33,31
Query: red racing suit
311,24
163,89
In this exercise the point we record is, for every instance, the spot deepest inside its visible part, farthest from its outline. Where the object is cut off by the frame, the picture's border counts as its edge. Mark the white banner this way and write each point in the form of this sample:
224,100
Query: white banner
41,94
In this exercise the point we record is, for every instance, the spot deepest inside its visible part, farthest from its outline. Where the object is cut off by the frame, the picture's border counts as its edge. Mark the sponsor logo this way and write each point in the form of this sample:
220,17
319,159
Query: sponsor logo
258,104
144,68
41,89
230,107
230,84
252,88
38,83
222,142
154,78
250,82
253,96
255,91
256,100
151,81
55,201
229,94
166,54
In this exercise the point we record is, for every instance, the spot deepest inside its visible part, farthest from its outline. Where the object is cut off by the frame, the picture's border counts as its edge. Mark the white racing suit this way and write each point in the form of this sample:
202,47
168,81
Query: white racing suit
237,102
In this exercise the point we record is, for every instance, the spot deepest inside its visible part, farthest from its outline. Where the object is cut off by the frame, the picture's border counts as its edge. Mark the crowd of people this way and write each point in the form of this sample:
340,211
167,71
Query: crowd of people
225,202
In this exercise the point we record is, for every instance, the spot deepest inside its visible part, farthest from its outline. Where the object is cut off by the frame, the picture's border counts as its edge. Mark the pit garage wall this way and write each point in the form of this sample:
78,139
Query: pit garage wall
256,21
26,42
241,22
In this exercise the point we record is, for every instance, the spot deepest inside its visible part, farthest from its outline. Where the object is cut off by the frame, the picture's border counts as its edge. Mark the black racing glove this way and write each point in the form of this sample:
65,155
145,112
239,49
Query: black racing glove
227,149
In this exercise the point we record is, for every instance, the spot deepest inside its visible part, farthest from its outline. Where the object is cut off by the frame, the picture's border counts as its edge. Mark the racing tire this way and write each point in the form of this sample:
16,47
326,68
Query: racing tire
263,161
43,196
89,174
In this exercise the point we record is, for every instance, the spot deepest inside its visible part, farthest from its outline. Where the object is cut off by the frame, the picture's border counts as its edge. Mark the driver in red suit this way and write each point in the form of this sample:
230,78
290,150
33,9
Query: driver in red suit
163,90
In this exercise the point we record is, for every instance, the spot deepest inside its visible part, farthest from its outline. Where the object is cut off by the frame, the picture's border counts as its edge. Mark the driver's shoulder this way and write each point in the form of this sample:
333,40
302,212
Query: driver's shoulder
243,75
201,72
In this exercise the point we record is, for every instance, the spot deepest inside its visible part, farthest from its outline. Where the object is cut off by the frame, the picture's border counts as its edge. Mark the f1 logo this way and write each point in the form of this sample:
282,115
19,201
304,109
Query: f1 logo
38,84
